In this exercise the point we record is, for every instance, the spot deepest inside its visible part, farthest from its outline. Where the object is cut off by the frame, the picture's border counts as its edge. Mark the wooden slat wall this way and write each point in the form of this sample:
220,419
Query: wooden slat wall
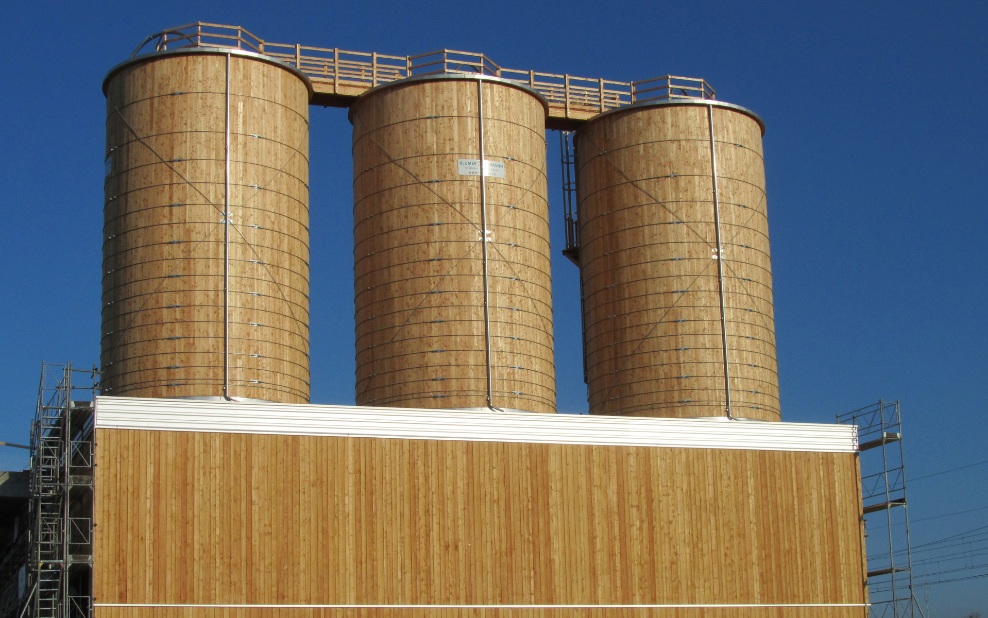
649,268
262,519
419,289
163,252
203,612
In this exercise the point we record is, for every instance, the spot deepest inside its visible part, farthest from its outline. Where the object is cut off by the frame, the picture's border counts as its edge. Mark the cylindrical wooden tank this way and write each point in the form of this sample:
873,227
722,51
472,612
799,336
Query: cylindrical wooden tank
452,287
649,196
197,303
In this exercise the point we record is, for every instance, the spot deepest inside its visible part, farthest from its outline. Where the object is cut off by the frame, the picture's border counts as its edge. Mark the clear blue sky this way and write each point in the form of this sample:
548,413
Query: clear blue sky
875,157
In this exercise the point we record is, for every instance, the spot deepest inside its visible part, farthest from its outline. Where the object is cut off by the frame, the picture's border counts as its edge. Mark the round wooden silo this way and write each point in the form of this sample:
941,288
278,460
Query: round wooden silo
651,186
452,312
197,303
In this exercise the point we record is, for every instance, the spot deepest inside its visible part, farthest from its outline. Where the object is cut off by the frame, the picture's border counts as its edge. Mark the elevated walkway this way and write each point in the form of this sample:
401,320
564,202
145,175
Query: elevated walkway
339,76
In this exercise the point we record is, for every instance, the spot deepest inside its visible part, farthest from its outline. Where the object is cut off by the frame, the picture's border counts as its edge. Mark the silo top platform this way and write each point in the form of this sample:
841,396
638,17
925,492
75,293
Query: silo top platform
339,76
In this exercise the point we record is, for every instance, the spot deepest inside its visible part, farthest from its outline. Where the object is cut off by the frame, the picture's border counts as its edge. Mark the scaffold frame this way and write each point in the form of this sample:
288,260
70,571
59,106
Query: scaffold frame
885,509
60,573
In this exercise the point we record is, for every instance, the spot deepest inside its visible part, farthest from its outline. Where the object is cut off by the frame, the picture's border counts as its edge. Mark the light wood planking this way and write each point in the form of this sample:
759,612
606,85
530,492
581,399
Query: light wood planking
649,268
163,251
264,519
418,259
304,612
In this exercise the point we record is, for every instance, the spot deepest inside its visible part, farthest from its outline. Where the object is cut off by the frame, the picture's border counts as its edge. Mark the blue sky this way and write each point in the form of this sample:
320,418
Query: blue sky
875,158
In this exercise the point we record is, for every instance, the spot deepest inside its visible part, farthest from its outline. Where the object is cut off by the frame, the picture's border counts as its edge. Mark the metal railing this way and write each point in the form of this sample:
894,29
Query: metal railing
349,72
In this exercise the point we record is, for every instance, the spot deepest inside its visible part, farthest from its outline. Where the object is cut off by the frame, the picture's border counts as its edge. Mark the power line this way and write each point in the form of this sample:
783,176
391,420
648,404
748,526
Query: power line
913,521
926,476
971,545
952,537
958,579
885,588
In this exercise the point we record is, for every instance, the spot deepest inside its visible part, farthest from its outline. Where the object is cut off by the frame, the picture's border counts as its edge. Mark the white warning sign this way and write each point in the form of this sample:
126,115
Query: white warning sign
471,167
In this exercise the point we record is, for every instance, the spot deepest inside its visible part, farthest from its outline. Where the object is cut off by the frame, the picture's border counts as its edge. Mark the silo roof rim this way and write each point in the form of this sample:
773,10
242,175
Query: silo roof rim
683,103
453,76
222,51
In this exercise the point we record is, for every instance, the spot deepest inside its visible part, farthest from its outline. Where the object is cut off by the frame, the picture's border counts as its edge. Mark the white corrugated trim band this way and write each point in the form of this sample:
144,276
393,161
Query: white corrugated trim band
480,426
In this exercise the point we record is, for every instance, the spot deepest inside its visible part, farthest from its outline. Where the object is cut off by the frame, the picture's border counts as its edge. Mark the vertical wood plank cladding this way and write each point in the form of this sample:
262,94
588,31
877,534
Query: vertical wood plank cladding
647,243
264,519
163,251
418,259
198,612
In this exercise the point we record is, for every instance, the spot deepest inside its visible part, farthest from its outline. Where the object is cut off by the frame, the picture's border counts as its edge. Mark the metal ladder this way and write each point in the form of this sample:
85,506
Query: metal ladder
567,150
567,153
48,489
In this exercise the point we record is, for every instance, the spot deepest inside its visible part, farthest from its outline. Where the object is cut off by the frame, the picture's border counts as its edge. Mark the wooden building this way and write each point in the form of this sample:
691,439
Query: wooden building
222,509
452,490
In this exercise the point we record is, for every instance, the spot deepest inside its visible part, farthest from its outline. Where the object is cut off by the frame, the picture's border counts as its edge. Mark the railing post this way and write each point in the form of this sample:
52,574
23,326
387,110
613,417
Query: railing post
566,95
531,79
298,56
373,69
336,70
602,94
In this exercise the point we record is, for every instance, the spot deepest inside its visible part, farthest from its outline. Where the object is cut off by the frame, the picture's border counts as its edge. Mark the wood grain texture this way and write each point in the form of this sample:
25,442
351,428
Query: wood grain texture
649,264
418,255
163,251
263,519
303,612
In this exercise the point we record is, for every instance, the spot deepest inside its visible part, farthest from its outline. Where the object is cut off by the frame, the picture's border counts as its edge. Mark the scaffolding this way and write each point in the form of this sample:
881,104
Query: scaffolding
886,516
60,574
15,546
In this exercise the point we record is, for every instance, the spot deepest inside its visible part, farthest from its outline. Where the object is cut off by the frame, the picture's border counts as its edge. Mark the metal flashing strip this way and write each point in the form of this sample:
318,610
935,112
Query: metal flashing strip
481,426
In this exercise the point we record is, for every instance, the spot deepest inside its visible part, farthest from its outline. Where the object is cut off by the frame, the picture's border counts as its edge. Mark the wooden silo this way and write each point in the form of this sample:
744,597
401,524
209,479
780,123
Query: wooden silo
678,309
452,285
197,303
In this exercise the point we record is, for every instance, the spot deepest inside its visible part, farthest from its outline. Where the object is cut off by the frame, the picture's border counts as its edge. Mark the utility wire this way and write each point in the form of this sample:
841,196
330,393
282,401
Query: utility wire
926,476
951,537
913,521
958,543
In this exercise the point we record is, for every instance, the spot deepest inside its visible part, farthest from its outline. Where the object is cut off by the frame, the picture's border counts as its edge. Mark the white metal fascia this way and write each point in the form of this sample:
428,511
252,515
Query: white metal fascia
483,426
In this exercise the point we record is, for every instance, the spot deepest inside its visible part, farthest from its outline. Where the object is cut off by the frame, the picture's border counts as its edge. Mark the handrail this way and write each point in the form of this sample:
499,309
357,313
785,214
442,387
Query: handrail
353,70
202,34
671,87
452,61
